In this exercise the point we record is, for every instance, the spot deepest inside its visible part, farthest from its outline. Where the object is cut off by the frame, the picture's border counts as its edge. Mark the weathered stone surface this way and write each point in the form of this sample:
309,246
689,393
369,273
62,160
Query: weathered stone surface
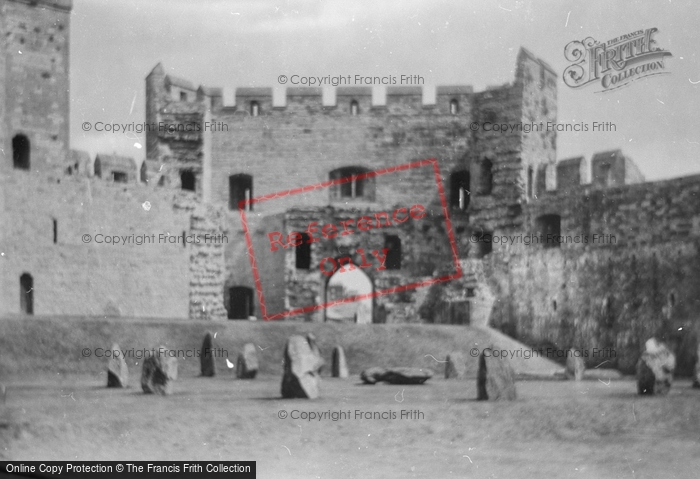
496,379
339,367
456,366
311,339
655,368
158,373
206,356
373,375
247,364
301,379
407,375
575,365
395,375
117,370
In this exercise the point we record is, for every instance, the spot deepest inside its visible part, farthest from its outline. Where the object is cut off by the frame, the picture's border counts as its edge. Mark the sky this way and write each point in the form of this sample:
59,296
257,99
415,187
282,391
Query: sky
229,44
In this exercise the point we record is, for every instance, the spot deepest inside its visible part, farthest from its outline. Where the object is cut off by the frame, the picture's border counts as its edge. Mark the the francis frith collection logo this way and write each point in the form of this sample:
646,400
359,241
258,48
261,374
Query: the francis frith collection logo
615,63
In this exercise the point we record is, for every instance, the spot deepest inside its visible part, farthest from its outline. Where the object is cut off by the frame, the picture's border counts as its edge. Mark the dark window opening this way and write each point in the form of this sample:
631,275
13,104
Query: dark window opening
98,168
454,107
119,177
187,180
485,244
254,108
393,255
20,152
143,175
303,253
485,177
530,182
554,305
26,291
471,292
459,190
241,304
183,96
354,108
240,188
354,187
549,227
55,231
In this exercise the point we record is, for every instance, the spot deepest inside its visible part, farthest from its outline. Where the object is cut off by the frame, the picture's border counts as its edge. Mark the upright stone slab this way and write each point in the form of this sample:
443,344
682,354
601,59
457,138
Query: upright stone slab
301,379
655,368
455,366
496,379
247,364
206,356
311,339
117,370
158,373
339,368
575,366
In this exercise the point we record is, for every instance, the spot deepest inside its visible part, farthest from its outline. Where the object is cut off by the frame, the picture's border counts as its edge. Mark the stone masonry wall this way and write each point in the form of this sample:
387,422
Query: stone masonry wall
35,38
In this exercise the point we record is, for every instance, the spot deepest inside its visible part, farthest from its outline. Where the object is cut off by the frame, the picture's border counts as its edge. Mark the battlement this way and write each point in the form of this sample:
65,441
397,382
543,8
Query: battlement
353,100
610,169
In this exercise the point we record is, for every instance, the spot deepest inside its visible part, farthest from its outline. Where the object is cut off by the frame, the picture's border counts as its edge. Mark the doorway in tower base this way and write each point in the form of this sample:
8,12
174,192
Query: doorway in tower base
346,283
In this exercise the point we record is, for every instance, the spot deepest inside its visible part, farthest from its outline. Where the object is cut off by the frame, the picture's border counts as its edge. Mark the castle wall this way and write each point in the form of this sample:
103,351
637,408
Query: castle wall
70,276
606,292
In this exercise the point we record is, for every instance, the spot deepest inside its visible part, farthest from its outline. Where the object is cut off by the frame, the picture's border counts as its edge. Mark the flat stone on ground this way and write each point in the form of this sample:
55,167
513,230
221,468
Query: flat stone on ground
373,375
407,375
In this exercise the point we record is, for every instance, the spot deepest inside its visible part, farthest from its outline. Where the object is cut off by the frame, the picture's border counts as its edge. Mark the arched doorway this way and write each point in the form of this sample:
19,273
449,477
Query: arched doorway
241,305
26,293
349,281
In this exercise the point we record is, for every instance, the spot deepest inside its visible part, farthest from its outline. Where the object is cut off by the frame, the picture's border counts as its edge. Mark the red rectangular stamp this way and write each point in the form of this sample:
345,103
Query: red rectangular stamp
350,242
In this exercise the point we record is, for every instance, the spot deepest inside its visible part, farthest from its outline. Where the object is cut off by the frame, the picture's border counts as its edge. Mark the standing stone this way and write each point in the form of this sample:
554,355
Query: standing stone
339,368
206,356
496,379
311,339
301,379
247,364
575,366
158,373
455,366
117,370
655,368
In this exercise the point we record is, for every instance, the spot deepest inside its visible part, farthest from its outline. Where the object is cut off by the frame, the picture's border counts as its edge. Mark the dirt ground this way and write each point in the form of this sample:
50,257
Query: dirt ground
556,429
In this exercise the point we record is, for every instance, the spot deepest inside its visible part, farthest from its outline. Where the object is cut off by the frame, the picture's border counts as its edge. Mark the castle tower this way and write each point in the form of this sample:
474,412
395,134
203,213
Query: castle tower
512,146
34,103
